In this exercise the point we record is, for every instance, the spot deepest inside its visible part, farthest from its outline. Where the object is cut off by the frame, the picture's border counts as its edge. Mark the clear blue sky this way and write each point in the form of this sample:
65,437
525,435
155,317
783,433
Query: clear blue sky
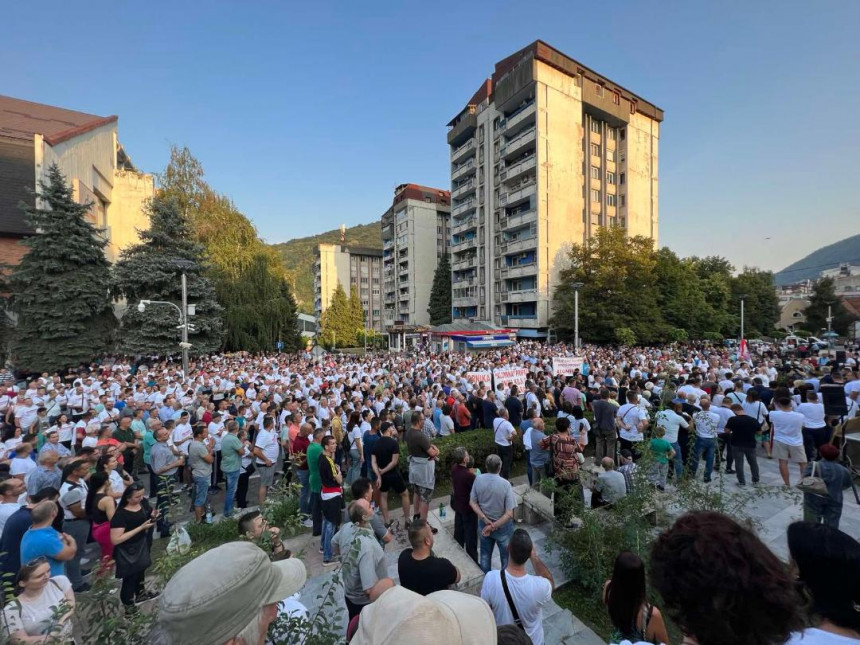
308,114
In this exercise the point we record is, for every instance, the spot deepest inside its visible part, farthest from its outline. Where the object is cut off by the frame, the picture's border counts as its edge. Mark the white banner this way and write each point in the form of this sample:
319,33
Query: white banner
566,365
507,376
479,377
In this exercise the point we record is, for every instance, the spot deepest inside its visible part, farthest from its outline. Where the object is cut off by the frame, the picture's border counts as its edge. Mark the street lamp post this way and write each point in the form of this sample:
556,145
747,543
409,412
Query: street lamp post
576,287
743,296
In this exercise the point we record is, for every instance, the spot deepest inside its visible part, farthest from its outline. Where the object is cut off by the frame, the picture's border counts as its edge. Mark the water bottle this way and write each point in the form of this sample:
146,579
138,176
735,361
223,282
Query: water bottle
208,513
441,510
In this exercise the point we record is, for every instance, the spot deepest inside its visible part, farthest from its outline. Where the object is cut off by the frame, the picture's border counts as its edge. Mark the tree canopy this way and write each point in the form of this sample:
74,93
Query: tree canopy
824,296
439,307
340,323
59,290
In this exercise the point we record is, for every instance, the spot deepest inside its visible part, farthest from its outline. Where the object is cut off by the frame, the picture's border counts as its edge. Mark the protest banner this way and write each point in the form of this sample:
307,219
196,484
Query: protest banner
507,376
566,365
476,378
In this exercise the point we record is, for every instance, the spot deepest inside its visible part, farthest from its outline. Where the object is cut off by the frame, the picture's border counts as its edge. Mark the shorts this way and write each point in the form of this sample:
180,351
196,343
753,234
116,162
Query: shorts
424,494
392,482
201,490
267,474
794,454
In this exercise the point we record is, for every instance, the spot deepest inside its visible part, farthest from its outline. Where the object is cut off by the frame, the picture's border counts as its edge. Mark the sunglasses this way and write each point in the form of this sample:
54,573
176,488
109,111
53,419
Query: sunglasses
37,561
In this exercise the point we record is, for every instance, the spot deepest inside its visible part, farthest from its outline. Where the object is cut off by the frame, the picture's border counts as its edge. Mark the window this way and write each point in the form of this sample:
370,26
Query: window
610,155
611,200
616,98
481,133
599,89
376,312
610,177
595,196
595,172
612,133
623,177
595,150
595,126
623,200
623,133
496,123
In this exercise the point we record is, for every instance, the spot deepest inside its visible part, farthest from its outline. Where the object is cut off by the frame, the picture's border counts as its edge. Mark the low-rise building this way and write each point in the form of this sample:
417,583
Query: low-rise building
355,268
87,150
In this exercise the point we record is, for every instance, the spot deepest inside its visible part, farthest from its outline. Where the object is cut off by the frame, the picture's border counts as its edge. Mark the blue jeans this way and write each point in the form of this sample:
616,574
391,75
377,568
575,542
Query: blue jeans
679,465
354,471
305,494
328,531
501,537
708,446
529,467
230,495
201,491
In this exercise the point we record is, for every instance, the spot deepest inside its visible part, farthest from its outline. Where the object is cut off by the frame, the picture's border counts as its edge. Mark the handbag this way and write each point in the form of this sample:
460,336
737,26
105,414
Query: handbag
813,485
132,558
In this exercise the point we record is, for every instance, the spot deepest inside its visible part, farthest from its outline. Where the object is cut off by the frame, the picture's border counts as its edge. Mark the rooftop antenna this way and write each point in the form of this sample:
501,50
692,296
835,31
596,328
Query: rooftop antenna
342,233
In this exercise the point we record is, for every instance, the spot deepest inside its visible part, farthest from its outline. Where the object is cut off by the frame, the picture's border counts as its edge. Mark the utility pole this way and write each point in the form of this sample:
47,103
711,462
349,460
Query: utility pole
576,287
829,319
184,321
742,316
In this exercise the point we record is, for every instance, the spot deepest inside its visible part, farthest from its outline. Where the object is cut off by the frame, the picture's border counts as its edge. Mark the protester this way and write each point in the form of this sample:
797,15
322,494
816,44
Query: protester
10,492
632,616
129,532
16,527
190,613
465,518
73,496
362,494
492,500
516,596
42,611
827,562
751,602
504,435
788,437
565,452
609,486
232,451
266,450
254,527
742,429
421,571
706,424
201,458
331,496
422,467
100,507
43,540
385,464
672,420
826,509
538,456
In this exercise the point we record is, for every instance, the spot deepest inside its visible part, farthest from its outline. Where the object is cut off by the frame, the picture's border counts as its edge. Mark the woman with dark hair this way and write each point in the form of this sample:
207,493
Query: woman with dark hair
828,566
721,584
353,438
131,535
108,463
632,617
100,507
826,509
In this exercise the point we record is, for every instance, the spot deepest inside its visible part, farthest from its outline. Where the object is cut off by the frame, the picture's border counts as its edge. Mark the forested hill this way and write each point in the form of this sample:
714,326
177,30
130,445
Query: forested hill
298,257
827,257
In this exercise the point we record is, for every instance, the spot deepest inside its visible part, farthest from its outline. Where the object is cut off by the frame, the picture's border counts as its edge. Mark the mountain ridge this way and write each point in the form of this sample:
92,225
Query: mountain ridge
827,257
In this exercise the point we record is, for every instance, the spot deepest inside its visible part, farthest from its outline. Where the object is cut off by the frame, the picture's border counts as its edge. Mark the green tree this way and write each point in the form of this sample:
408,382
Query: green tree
824,296
356,312
249,278
151,270
337,325
439,307
761,304
680,296
617,276
59,291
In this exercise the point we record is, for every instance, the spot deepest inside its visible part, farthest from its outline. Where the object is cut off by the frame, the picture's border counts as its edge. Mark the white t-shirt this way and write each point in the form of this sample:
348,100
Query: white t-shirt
787,427
36,616
6,509
814,413
529,593
70,494
180,432
631,415
267,441
503,430
22,466
117,484
447,425
355,436
815,636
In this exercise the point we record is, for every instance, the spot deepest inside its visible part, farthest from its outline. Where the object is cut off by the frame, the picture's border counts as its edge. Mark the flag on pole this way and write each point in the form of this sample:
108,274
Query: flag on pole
744,353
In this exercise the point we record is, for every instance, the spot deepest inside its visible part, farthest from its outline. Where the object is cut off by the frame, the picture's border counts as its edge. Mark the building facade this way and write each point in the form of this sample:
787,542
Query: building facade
415,234
353,267
542,155
88,152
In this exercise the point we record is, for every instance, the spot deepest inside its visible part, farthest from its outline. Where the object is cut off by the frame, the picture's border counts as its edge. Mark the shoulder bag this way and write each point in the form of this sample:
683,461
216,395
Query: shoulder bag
517,620
813,485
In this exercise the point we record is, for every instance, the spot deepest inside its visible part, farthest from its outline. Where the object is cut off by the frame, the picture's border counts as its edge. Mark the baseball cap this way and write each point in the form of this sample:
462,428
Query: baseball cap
216,595
450,617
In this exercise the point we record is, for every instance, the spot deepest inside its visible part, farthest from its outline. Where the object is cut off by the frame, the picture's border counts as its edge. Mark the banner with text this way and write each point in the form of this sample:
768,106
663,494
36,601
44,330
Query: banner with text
566,365
479,377
511,376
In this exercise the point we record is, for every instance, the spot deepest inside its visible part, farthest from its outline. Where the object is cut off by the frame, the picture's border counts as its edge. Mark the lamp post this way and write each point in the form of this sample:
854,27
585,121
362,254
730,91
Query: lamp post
576,287
829,319
742,297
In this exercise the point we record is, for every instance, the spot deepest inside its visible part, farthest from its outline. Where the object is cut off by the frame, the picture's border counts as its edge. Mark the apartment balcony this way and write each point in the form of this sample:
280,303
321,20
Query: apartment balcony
463,208
458,264
465,127
512,172
518,193
463,189
463,151
462,245
518,144
387,244
519,271
463,170
465,301
462,225
524,295
464,281
521,118
518,220
520,320
517,246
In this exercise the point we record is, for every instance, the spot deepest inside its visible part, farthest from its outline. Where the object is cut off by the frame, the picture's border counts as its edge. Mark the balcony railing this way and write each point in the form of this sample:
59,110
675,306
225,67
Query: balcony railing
519,319
464,281
517,143
459,225
519,270
466,148
520,115
521,295
463,169
519,192
464,263
520,219
462,245
520,244
509,173
463,188
465,207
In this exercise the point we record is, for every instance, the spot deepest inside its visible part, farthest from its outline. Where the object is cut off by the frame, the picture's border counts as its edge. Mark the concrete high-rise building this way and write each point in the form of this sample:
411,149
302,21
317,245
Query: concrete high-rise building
355,268
544,153
415,233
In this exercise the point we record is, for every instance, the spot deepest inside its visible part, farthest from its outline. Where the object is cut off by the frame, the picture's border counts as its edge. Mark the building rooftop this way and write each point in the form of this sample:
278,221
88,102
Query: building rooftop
421,193
21,119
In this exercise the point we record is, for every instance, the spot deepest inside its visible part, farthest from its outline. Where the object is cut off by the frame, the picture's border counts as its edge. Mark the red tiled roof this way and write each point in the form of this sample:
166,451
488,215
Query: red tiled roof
852,305
416,191
21,119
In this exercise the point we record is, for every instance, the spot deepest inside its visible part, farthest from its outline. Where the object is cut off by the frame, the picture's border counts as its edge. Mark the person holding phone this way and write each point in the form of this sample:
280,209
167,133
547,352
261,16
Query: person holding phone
130,533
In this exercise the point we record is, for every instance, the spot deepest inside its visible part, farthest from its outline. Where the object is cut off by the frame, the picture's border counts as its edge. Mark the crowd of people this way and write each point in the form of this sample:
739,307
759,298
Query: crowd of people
90,460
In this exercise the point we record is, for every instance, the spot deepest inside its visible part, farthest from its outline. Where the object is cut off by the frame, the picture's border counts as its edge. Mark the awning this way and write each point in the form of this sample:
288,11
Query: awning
531,333
488,344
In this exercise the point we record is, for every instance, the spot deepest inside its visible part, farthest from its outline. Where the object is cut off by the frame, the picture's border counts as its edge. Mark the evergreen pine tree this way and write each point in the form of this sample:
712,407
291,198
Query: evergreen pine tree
337,328
824,296
356,314
439,306
59,291
151,270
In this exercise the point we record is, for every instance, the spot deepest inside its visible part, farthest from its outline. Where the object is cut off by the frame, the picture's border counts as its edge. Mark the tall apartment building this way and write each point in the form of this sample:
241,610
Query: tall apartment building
544,153
415,233
354,267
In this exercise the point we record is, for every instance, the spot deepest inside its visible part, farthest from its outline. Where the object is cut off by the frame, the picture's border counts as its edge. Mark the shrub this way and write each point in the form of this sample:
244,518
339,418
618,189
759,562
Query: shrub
625,336
677,334
713,336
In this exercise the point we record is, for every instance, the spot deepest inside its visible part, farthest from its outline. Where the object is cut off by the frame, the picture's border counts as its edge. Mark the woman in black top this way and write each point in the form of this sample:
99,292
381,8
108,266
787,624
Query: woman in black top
100,508
131,534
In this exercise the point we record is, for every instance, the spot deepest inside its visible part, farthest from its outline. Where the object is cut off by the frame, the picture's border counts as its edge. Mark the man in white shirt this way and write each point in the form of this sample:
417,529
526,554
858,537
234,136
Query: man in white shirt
266,450
504,434
706,423
527,594
671,421
631,420
10,491
724,411
787,437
